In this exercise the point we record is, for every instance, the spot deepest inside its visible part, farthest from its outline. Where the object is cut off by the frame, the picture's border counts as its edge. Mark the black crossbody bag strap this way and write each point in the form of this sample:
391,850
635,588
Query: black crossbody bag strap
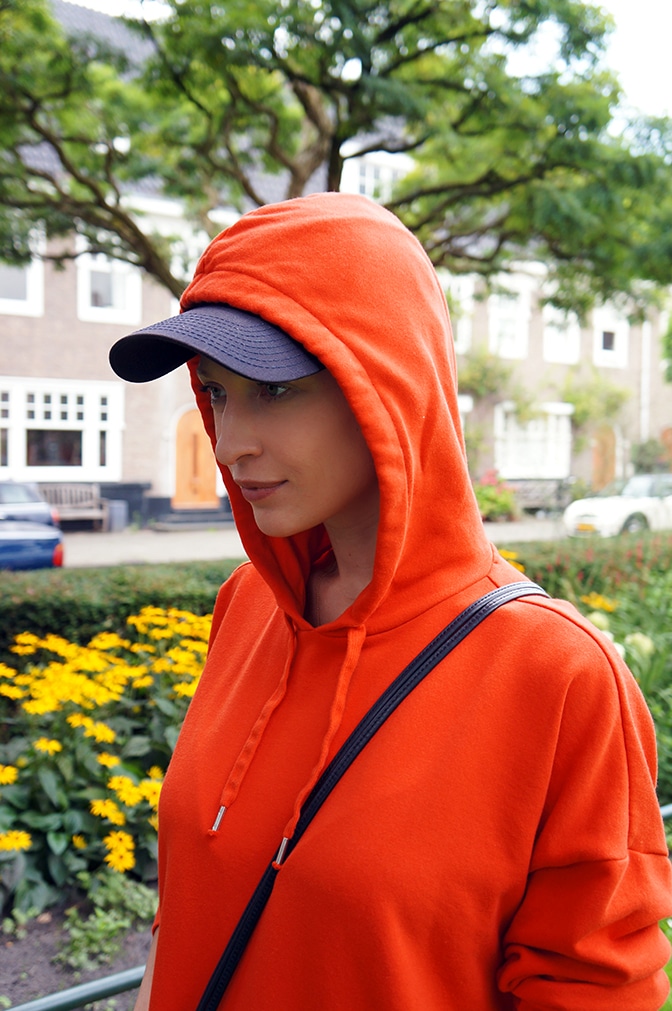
402,685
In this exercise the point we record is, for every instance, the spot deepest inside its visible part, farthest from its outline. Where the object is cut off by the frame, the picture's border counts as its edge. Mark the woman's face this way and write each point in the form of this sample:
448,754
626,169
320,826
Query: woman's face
295,450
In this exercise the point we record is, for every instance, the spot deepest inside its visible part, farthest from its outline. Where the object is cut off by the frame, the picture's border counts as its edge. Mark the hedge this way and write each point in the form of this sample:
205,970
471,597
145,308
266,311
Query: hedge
79,603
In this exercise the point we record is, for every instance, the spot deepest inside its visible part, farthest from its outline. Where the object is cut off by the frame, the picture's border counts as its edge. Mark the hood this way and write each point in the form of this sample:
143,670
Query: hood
346,279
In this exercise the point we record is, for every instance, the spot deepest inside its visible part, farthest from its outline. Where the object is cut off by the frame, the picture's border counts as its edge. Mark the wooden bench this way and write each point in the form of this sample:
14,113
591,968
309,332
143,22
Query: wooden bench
78,501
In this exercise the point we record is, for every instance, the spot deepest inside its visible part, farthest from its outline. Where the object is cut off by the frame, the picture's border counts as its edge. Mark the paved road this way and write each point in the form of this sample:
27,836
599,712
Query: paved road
130,547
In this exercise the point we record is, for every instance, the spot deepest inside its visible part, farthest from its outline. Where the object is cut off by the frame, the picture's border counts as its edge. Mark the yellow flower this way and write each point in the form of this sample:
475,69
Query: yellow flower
107,760
146,681
156,772
185,689
79,720
79,842
150,790
599,603
8,774
12,692
107,809
48,745
511,557
39,707
125,789
108,640
15,840
154,821
25,643
121,848
101,733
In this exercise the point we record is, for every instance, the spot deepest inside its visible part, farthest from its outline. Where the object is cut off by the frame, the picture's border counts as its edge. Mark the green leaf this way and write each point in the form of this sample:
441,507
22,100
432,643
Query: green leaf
50,785
136,746
58,842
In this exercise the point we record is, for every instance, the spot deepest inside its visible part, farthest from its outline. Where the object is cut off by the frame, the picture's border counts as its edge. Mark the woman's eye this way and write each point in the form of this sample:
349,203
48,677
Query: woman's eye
274,391
216,393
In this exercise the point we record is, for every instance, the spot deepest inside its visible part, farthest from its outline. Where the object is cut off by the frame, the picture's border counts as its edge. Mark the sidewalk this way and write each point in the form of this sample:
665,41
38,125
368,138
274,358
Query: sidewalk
137,547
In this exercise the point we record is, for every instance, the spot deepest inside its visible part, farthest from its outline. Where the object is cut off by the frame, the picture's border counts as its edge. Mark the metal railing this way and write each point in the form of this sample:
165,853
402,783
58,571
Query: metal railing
86,993
77,996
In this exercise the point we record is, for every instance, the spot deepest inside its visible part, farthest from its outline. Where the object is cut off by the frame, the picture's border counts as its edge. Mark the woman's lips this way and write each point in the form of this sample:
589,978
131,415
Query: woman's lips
256,491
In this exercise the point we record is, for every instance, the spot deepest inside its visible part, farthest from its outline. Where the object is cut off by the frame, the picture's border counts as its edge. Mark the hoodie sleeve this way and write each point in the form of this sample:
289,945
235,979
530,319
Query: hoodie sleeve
586,936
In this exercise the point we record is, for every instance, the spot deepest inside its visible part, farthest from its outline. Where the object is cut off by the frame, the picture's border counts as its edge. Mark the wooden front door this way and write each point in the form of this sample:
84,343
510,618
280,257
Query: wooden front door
195,466
604,457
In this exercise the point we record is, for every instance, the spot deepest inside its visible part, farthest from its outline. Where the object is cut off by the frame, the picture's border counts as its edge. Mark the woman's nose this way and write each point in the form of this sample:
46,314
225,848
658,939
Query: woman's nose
236,436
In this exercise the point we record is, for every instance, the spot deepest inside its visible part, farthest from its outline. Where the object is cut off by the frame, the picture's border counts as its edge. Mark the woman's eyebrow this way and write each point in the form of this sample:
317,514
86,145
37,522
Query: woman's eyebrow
202,374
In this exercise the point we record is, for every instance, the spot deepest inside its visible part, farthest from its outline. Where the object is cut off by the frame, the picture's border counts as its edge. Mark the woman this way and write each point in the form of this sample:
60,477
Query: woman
498,844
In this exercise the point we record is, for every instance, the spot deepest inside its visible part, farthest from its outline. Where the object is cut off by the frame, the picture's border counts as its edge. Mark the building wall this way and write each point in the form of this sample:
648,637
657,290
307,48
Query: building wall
529,338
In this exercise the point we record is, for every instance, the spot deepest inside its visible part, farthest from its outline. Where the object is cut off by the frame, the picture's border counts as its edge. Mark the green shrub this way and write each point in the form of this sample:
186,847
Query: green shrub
79,603
624,585
496,500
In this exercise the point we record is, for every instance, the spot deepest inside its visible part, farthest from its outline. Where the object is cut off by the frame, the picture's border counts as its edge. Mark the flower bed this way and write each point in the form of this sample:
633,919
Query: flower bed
87,734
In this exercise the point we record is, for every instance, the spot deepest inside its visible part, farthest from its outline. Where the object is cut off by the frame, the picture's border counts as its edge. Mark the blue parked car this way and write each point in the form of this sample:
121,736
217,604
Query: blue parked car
23,501
27,545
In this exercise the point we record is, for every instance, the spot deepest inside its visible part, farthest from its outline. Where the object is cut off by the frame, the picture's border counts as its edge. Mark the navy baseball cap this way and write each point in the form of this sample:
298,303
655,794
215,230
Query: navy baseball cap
240,341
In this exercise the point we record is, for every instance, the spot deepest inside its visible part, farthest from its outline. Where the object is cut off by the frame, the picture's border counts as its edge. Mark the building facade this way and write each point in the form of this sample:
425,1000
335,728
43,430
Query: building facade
578,399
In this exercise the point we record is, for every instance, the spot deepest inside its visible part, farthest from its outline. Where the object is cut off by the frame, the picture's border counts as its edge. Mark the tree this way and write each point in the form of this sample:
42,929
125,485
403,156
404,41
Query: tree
250,101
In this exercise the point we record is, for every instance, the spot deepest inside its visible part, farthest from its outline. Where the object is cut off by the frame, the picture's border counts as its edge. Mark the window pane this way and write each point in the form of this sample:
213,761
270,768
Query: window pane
53,448
101,288
13,282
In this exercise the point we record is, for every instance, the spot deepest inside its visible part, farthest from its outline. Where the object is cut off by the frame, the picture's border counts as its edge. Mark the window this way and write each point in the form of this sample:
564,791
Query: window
13,282
509,313
373,175
22,289
53,448
541,448
611,334
108,291
562,336
460,293
53,429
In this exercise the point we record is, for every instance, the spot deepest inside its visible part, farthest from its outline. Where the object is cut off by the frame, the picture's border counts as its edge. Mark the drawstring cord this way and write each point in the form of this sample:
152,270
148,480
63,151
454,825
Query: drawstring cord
356,637
248,751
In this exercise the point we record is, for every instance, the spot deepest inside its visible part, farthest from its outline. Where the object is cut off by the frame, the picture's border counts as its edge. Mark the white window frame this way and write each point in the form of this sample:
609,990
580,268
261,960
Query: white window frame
509,318
87,406
33,303
607,319
374,174
124,276
561,337
462,290
539,449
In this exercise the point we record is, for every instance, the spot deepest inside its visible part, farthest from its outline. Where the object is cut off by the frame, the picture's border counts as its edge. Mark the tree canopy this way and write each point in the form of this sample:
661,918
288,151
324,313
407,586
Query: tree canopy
514,155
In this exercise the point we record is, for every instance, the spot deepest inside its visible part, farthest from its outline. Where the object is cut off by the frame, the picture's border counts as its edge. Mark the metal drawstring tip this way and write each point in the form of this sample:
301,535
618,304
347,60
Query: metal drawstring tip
281,853
218,819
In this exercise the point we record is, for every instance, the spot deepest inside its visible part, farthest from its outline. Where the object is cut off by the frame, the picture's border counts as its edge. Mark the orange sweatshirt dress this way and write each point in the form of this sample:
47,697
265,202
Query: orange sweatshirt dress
498,844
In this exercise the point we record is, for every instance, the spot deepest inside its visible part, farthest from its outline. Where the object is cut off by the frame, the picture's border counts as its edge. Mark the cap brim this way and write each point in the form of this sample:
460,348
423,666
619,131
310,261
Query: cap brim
238,340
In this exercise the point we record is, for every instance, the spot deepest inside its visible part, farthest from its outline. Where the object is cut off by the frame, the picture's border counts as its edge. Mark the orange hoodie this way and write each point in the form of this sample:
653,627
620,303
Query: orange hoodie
497,845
